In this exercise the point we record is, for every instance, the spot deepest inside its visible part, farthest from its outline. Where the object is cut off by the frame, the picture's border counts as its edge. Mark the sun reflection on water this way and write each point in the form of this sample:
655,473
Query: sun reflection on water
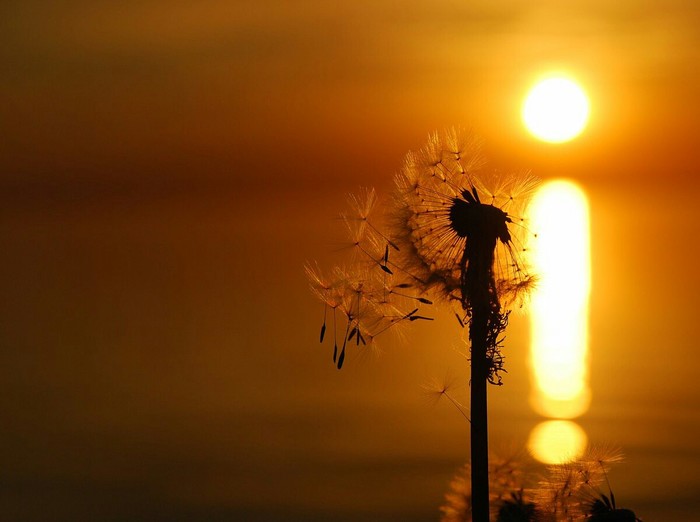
557,441
559,317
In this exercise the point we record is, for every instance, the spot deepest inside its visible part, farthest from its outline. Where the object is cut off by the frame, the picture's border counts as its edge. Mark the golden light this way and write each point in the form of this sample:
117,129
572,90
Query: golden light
556,110
559,311
557,441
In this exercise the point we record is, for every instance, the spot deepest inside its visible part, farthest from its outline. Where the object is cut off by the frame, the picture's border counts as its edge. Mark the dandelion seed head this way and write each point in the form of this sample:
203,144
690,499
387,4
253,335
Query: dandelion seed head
570,489
565,493
509,484
458,500
443,221
442,204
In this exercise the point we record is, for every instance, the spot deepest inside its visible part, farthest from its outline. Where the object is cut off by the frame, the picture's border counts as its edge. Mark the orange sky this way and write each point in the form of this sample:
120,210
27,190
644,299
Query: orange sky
213,86
166,168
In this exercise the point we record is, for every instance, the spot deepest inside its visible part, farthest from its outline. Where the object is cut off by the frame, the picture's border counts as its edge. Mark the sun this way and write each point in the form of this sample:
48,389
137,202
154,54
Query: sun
556,110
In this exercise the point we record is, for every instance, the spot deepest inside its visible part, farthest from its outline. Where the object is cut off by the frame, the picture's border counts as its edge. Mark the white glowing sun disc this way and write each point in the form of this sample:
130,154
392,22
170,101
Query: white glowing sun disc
556,110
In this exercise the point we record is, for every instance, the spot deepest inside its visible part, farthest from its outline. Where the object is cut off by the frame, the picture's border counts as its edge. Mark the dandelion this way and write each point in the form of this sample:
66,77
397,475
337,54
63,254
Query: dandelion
453,230
571,491
567,493
452,238
455,235
511,497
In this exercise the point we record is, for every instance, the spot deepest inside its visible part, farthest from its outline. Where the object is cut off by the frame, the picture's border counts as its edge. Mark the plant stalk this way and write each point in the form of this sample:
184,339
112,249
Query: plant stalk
478,294
478,330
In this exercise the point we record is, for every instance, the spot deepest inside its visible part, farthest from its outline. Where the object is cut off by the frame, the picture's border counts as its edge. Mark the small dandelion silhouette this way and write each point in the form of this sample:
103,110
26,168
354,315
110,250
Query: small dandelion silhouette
566,493
571,491
511,495
449,237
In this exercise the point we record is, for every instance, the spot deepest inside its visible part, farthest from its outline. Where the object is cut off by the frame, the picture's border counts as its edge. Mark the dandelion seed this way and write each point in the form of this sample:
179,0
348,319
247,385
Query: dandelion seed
324,290
436,390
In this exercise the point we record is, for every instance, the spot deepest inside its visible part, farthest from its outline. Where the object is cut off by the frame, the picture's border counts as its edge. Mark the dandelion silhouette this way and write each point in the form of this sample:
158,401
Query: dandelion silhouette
450,237
571,491
565,493
511,498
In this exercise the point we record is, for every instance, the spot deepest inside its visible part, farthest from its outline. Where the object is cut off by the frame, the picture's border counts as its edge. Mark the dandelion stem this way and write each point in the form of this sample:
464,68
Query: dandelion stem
479,296
479,418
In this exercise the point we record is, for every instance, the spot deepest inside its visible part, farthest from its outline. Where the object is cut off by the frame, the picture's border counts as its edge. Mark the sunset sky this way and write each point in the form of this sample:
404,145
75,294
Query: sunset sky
167,168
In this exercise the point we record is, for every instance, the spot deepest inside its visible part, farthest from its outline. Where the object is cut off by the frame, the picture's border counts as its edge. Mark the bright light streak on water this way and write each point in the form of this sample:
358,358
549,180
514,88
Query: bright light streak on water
559,312
557,441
